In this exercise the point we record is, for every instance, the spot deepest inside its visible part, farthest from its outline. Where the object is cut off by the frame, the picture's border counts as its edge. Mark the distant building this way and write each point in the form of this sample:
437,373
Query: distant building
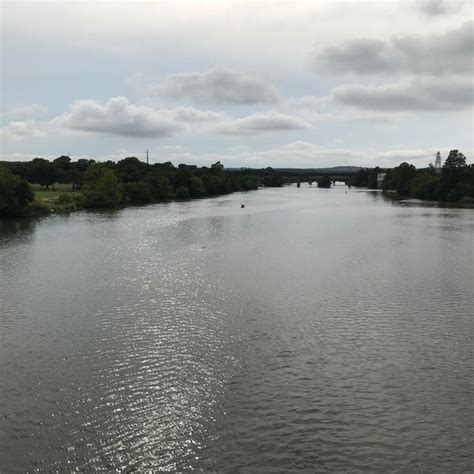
380,178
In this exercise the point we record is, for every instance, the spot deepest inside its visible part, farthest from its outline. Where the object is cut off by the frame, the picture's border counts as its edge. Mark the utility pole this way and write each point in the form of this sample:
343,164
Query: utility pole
147,158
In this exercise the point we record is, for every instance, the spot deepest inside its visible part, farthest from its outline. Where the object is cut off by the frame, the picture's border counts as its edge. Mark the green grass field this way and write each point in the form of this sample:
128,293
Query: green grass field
49,196
47,200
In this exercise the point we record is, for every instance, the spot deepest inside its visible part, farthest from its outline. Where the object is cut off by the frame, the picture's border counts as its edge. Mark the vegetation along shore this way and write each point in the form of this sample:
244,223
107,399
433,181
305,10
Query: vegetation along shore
40,186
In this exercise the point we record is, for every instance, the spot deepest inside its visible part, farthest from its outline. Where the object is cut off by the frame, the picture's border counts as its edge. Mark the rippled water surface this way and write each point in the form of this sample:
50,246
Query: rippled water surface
312,330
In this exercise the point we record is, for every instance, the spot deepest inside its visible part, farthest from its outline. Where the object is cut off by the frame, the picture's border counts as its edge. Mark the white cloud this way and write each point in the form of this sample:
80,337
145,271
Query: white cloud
216,86
118,117
435,54
21,129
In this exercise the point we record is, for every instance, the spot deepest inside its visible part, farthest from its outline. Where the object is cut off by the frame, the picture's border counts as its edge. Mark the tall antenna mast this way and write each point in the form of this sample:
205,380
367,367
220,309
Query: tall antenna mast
147,158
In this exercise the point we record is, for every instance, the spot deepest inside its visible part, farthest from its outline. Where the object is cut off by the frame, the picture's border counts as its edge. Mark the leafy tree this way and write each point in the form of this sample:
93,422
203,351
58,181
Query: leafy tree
138,193
247,182
196,187
454,172
130,169
455,160
182,192
161,188
102,188
324,182
214,184
361,178
42,172
273,181
426,185
217,167
182,178
77,172
399,179
15,194
372,178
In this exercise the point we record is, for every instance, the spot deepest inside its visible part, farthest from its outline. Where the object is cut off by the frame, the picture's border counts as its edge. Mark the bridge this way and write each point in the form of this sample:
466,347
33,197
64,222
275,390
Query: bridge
313,177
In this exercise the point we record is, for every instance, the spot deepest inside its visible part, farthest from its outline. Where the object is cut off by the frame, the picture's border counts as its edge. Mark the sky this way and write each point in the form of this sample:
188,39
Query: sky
248,83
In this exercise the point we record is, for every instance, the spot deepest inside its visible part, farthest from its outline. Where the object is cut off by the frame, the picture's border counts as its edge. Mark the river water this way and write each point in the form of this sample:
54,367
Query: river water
317,330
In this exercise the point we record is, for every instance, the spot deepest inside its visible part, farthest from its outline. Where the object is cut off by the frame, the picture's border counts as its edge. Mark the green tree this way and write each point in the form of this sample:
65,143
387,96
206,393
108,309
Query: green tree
196,187
400,179
455,160
372,178
324,182
138,193
131,169
182,192
15,194
217,167
42,172
102,188
62,165
214,184
454,173
426,185
160,187
361,178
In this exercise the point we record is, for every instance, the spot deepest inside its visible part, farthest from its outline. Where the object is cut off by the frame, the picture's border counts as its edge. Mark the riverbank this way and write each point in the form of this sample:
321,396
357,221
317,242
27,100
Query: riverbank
40,187
465,203
59,201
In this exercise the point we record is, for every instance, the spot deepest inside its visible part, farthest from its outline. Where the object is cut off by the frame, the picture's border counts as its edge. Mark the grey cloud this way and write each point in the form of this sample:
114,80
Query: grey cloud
192,115
267,122
439,7
119,117
426,94
448,53
218,86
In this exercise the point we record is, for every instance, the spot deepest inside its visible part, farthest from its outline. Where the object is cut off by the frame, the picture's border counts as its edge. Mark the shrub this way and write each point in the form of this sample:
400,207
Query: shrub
38,208
182,193
138,193
15,195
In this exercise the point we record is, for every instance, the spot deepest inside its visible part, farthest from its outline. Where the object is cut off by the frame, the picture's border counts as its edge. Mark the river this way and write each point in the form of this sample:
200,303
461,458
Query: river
315,329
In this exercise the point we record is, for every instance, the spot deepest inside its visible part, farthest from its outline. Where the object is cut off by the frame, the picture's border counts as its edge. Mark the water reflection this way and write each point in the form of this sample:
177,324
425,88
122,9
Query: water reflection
13,229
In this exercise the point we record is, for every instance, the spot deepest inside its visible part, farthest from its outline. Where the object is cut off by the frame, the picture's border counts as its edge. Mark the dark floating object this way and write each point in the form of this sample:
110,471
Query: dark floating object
242,206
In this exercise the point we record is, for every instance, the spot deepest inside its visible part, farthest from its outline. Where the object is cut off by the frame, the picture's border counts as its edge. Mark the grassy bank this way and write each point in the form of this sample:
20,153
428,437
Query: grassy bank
59,200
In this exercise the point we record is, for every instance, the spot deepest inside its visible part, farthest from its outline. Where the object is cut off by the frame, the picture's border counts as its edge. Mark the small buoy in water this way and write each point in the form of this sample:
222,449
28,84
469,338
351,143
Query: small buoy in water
242,206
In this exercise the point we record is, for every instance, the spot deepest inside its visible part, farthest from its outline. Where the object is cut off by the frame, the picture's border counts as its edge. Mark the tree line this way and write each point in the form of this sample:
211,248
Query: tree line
130,181
111,185
453,183
366,177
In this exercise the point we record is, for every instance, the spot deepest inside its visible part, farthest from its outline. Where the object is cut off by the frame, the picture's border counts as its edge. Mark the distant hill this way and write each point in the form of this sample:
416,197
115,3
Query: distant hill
333,169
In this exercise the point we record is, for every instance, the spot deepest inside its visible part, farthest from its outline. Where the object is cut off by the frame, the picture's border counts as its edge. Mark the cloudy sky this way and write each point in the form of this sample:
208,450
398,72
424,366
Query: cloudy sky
250,83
